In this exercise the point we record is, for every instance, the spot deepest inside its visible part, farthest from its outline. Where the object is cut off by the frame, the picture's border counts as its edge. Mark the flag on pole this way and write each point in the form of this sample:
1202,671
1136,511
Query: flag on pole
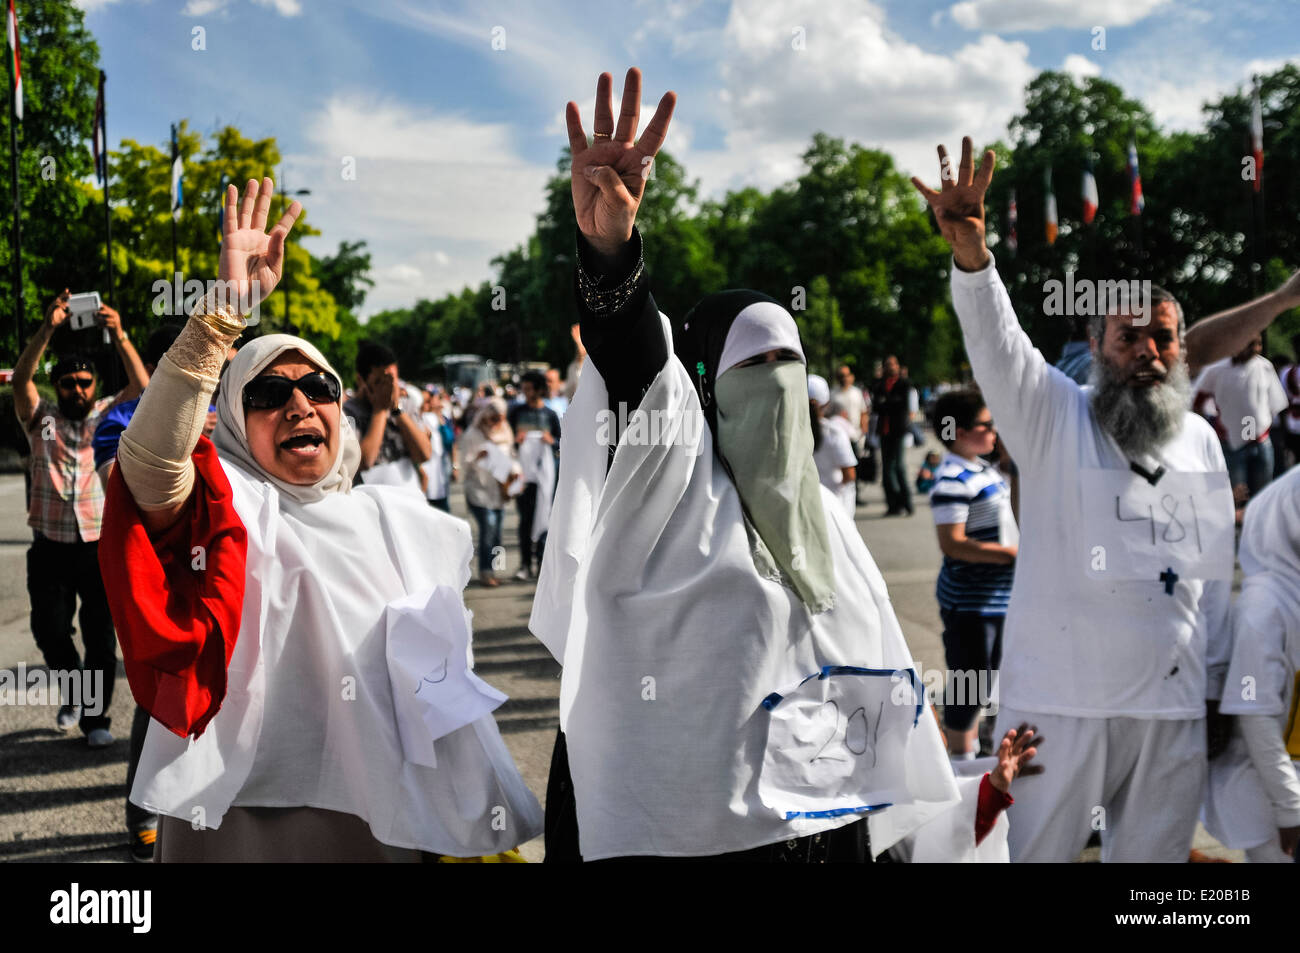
176,178
1051,228
1012,241
15,61
1089,195
98,142
1136,202
1257,135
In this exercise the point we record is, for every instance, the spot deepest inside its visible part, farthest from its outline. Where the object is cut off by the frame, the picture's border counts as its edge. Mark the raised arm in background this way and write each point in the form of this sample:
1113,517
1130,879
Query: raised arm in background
1228,332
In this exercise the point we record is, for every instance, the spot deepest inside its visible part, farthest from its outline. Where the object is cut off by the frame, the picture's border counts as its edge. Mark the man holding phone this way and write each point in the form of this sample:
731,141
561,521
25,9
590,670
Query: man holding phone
67,501
393,444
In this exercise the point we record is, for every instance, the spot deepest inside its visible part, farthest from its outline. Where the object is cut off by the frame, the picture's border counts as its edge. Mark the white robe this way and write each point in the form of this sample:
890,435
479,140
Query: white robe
670,641
1240,804
329,685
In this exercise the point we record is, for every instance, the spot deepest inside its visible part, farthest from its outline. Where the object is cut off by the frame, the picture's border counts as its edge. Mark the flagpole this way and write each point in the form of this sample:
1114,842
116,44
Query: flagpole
19,305
108,216
171,213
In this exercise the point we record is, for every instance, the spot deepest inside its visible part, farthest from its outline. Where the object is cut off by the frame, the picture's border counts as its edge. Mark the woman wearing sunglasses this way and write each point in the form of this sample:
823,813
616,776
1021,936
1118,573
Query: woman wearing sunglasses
301,645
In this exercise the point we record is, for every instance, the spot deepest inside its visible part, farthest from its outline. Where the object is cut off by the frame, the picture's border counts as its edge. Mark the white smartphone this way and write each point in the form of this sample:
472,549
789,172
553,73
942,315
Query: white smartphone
82,309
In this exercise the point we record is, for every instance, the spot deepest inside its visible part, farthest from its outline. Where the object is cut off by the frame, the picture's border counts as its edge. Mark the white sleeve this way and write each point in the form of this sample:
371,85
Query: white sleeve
1268,754
913,400
1277,399
841,450
1023,391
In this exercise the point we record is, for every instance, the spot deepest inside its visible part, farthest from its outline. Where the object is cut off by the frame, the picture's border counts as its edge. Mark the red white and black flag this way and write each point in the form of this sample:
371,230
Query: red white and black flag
99,142
15,61
1257,135
1012,241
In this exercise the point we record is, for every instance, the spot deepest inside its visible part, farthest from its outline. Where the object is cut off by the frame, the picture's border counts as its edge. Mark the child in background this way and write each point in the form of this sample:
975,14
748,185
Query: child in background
925,477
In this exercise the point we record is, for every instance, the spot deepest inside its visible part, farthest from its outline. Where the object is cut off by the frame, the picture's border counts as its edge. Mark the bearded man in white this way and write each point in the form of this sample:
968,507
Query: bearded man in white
1117,631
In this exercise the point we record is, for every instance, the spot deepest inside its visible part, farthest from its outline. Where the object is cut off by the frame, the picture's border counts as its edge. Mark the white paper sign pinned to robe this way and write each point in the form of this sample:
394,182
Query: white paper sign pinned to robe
1183,523
434,691
837,740
498,462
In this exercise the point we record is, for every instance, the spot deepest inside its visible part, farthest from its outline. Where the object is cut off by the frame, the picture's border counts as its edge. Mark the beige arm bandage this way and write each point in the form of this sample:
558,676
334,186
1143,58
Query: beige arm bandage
155,449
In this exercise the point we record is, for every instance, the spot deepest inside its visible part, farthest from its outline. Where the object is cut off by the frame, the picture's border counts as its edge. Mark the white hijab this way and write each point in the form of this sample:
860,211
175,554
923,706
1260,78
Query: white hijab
671,639
351,685
231,437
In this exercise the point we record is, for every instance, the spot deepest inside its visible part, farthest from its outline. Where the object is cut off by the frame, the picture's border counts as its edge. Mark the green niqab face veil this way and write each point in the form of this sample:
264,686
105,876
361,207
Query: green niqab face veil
759,418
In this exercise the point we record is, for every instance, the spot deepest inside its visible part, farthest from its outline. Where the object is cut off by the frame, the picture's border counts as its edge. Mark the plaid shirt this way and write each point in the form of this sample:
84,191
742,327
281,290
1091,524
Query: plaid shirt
67,498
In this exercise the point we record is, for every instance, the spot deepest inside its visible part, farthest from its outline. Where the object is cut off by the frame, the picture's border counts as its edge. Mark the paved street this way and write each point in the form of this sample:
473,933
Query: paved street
61,801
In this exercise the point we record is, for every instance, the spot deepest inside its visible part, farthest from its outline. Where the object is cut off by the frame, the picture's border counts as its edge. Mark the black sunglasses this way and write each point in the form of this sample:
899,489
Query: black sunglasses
68,383
270,391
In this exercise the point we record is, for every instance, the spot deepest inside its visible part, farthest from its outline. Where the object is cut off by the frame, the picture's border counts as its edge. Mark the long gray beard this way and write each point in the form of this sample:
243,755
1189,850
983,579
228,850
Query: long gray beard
1142,420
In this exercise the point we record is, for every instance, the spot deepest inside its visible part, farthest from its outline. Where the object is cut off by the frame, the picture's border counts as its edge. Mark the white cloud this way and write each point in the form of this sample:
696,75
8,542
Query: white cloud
286,8
1011,16
854,79
1080,67
435,195
1175,94
201,8
88,6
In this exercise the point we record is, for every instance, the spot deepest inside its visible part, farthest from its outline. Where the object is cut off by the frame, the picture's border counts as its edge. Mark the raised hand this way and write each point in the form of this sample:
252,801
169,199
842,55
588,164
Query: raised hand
250,257
609,175
959,205
1018,747
57,312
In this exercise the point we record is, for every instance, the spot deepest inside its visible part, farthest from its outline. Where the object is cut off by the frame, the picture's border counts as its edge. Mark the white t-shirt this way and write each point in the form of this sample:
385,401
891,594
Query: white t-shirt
1078,642
437,488
850,403
834,454
1249,395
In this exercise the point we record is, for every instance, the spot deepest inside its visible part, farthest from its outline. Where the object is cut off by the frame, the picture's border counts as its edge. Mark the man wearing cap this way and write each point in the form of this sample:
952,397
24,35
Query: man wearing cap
67,501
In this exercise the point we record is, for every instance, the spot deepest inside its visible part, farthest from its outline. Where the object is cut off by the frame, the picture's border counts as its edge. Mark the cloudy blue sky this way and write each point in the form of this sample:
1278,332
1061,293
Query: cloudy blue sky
453,138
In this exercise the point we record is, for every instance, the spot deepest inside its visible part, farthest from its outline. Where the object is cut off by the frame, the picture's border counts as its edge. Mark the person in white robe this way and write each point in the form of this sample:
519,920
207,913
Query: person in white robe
736,684
352,725
1253,800
1117,635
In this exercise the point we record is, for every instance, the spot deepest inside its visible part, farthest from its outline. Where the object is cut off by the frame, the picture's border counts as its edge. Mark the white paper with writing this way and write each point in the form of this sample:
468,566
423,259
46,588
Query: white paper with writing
837,741
1185,522
434,691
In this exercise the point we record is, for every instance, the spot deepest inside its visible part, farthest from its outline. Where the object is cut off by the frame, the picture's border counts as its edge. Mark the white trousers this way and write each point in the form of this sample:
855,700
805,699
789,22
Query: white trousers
1269,852
1138,781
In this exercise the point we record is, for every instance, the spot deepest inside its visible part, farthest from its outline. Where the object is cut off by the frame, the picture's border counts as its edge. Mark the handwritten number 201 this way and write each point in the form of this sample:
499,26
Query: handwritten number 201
859,712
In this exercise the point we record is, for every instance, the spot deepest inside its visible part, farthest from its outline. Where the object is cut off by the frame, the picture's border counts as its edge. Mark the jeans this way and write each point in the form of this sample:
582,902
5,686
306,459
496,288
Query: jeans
527,503
898,494
1251,465
489,534
441,504
57,574
972,649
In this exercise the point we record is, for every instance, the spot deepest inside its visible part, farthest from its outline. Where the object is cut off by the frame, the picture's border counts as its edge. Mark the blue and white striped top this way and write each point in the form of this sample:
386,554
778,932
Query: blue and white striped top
972,492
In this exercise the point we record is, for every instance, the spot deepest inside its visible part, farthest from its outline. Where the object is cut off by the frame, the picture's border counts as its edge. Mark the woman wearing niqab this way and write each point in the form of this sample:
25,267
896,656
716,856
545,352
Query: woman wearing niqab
713,607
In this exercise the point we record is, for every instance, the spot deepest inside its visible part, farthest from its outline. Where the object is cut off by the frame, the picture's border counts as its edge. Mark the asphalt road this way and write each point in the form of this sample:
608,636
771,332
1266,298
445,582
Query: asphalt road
61,801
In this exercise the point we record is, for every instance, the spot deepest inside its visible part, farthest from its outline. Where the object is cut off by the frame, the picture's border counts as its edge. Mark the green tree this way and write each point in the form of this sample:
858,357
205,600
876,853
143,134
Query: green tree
142,232
62,240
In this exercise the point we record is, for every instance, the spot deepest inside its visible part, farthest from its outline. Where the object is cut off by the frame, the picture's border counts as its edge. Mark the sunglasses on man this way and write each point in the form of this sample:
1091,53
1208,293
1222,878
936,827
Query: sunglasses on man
70,382
271,392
